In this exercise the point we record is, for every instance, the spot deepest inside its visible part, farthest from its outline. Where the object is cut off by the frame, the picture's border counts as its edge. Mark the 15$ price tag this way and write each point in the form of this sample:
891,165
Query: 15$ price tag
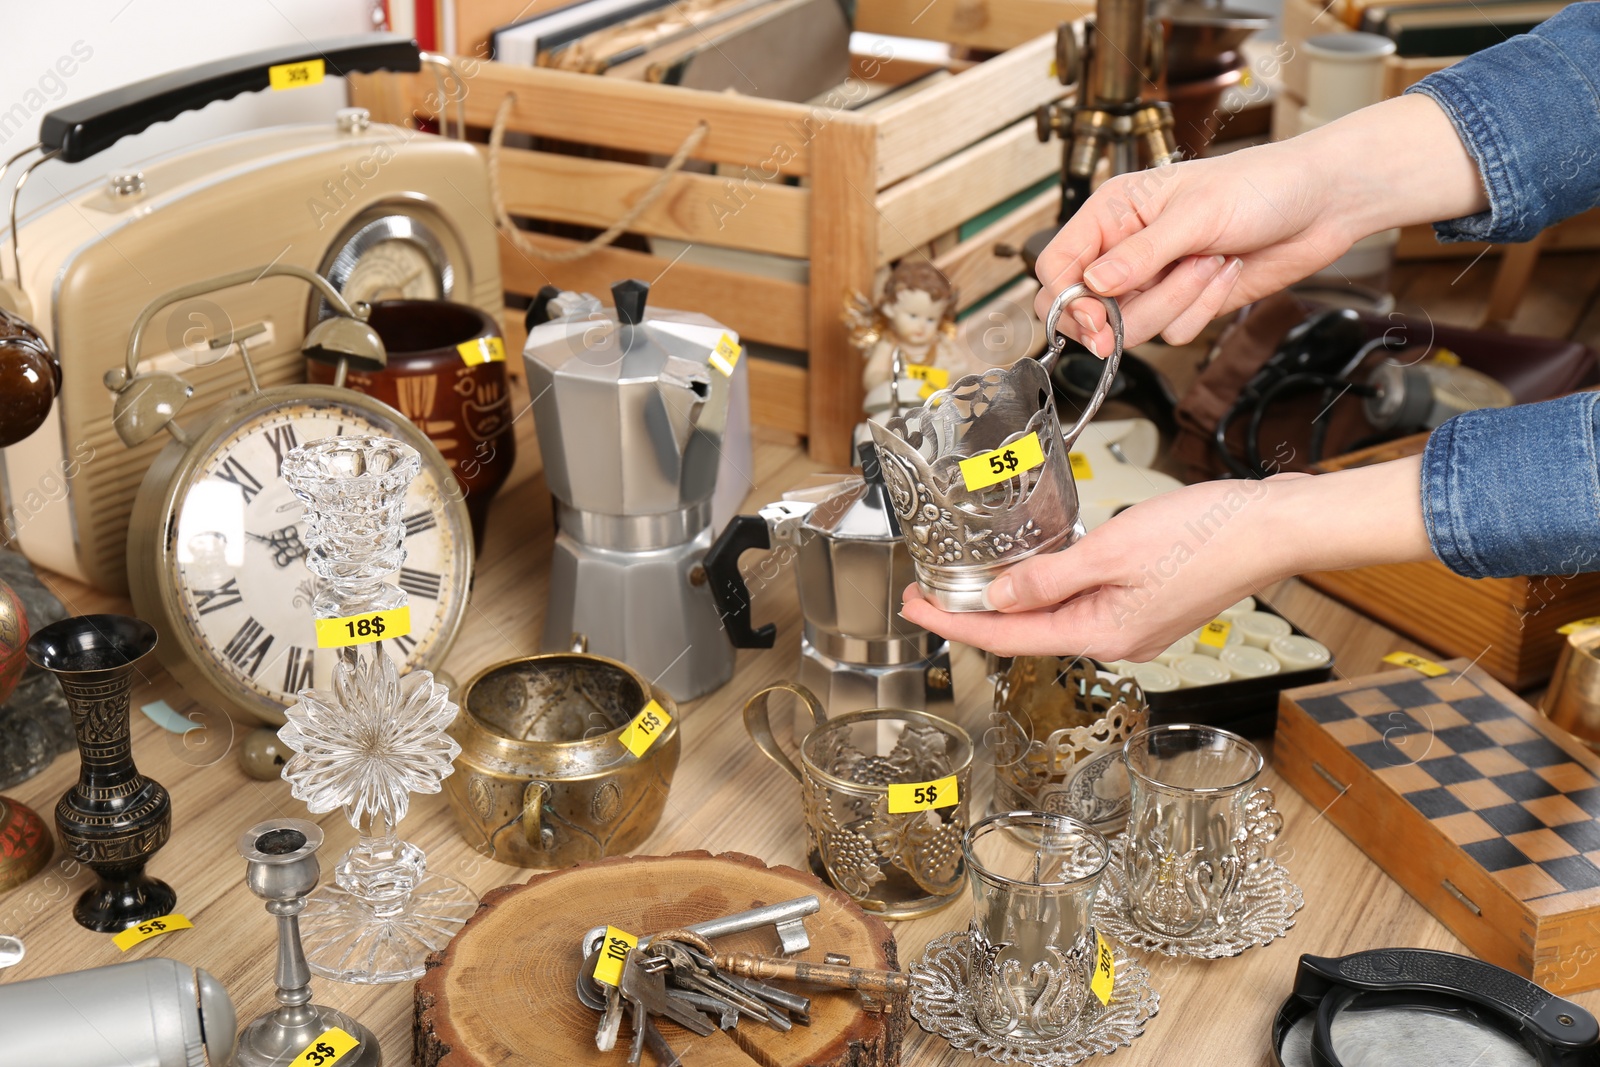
364,629
161,924
905,797
1105,970
1214,634
328,1049
1416,663
613,951
1002,464
481,350
725,356
297,75
645,728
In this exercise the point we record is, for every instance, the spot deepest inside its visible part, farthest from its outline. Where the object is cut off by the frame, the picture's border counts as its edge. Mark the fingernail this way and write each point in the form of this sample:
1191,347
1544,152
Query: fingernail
1210,265
998,594
1083,320
1105,274
1094,349
1235,267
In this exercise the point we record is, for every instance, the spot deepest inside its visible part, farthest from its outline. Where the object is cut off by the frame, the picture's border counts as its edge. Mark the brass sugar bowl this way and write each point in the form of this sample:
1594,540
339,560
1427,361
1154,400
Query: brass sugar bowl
544,778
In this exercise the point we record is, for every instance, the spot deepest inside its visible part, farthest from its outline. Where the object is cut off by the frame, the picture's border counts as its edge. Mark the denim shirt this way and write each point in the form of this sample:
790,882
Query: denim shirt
1514,491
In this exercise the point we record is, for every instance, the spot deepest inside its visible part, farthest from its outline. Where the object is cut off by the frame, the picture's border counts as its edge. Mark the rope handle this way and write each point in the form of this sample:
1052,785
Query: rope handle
497,136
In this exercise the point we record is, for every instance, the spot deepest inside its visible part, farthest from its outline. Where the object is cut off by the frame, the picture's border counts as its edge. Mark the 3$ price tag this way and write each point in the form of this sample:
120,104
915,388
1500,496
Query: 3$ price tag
725,356
1105,970
1416,663
477,352
645,728
1002,464
905,797
328,1049
161,924
613,951
364,629
297,75
1214,634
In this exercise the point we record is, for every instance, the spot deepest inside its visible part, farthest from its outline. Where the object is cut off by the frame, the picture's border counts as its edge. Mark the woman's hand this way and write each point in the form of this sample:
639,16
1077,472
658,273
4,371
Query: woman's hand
1182,244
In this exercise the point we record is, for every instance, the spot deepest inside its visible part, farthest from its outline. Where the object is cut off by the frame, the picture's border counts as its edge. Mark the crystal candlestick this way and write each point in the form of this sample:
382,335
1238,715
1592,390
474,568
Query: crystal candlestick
376,737
282,854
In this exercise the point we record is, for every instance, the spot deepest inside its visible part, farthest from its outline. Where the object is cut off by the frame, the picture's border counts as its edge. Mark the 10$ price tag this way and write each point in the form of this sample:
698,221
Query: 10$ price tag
645,727
905,797
329,1048
1002,464
613,951
364,629
1105,970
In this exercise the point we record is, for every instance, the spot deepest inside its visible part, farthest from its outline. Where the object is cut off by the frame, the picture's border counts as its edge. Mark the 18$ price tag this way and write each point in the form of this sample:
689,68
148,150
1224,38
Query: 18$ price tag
1105,970
1002,464
905,797
328,1049
613,951
364,629
1416,663
645,728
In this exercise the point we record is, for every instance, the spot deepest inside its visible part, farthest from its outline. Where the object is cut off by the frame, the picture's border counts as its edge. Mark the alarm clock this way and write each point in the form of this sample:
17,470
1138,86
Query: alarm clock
216,557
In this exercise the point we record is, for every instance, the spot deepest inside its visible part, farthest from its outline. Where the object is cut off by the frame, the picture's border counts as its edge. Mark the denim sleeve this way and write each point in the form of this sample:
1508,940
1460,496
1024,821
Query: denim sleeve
1510,491
1528,110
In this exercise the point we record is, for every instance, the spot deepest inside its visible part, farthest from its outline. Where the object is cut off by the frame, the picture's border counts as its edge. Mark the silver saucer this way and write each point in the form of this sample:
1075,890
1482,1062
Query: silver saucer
941,1004
1262,911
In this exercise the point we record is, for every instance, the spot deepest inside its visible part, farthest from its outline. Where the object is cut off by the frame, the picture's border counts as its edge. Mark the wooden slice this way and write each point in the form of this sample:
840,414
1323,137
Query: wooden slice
503,990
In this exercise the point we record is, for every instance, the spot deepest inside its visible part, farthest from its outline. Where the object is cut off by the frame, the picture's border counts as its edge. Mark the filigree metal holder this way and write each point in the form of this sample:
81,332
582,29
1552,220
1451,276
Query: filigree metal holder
1261,910
944,1003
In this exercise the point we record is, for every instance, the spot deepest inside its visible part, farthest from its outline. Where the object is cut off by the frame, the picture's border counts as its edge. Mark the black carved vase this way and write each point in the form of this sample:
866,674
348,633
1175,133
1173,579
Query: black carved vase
115,818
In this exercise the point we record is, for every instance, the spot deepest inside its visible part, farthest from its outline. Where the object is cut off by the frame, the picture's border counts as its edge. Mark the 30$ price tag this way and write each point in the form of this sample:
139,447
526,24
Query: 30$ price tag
645,728
477,352
1105,970
1214,634
364,629
907,797
1416,663
161,924
297,75
613,951
1080,466
1578,624
725,356
328,1049
992,468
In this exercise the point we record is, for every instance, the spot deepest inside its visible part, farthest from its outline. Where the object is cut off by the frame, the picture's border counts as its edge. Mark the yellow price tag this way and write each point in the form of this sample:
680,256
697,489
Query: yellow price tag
926,391
329,1048
297,75
1006,462
937,377
483,350
1105,970
1214,634
1080,466
1416,663
364,629
613,951
646,726
726,355
1580,624
1446,358
161,924
923,796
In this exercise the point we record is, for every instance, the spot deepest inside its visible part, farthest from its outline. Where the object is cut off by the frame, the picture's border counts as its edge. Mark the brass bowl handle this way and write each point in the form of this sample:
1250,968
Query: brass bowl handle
758,721
533,814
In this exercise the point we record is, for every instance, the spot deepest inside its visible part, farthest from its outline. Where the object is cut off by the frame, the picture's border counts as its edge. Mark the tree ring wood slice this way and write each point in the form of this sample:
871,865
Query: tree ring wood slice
502,991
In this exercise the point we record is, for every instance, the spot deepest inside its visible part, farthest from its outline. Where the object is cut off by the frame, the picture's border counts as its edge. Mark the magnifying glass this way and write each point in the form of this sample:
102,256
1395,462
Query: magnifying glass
1422,1008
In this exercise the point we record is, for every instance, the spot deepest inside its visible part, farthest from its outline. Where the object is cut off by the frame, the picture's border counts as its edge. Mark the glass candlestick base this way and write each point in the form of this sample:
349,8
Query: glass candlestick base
348,940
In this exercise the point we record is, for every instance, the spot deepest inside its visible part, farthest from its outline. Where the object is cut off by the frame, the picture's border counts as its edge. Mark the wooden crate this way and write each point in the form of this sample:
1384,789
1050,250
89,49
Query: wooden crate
1467,797
871,188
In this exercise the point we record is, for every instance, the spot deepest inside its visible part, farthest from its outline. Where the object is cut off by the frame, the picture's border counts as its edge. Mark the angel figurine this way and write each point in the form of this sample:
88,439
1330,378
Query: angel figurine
917,314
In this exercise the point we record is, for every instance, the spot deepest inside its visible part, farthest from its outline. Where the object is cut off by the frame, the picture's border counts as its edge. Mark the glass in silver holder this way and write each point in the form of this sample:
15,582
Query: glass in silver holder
1059,725
376,737
1198,826
960,539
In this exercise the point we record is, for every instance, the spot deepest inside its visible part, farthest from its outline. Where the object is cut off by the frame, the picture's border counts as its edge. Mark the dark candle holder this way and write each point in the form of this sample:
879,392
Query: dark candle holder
115,818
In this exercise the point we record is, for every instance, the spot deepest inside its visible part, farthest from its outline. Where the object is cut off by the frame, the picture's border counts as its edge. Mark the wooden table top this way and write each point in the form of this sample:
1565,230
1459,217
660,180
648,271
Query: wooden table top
727,796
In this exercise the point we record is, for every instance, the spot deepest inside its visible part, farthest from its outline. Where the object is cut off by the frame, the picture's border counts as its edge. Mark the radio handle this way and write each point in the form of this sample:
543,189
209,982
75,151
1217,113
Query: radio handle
84,129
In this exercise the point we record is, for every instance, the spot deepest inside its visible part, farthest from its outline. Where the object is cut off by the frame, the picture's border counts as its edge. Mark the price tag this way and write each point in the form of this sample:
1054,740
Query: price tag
1416,663
364,629
1080,466
646,726
482,350
161,924
991,468
328,1049
923,796
1105,970
613,950
726,355
1580,624
1214,634
1446,358
296,75
937,377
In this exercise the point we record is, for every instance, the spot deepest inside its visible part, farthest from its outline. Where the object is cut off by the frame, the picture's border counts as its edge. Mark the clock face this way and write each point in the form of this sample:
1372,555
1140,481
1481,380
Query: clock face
393,270
237,559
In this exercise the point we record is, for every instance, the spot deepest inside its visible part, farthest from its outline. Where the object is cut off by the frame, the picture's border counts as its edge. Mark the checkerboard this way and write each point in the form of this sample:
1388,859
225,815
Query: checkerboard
1469,798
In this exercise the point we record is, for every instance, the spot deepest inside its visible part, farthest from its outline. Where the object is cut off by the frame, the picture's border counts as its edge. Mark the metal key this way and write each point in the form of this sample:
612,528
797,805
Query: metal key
749,965
787,917
605,1038
648,992
727,1013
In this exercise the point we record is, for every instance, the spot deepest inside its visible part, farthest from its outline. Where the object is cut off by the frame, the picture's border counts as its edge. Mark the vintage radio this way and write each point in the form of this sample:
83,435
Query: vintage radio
382,211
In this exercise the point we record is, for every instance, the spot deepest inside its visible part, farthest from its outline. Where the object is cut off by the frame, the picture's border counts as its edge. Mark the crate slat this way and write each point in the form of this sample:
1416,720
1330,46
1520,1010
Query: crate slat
992,26
972,266
777,396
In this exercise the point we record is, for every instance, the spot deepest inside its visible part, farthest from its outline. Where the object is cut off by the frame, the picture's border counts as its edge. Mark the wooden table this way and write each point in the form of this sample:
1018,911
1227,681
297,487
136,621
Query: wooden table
727,797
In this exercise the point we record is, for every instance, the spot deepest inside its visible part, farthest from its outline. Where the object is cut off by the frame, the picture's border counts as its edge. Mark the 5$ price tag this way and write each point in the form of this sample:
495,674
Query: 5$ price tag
613,951
329,1048
1416,663
364,629
1214,634
725,356
1002,464
297,75
645,728
482,350
161,924
905,797
1105,970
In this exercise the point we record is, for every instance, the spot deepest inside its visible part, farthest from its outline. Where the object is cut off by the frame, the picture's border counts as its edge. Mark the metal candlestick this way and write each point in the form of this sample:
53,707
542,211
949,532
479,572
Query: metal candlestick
282,854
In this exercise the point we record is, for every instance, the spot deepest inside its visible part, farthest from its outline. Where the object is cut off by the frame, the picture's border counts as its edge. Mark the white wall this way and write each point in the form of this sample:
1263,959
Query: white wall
59,51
